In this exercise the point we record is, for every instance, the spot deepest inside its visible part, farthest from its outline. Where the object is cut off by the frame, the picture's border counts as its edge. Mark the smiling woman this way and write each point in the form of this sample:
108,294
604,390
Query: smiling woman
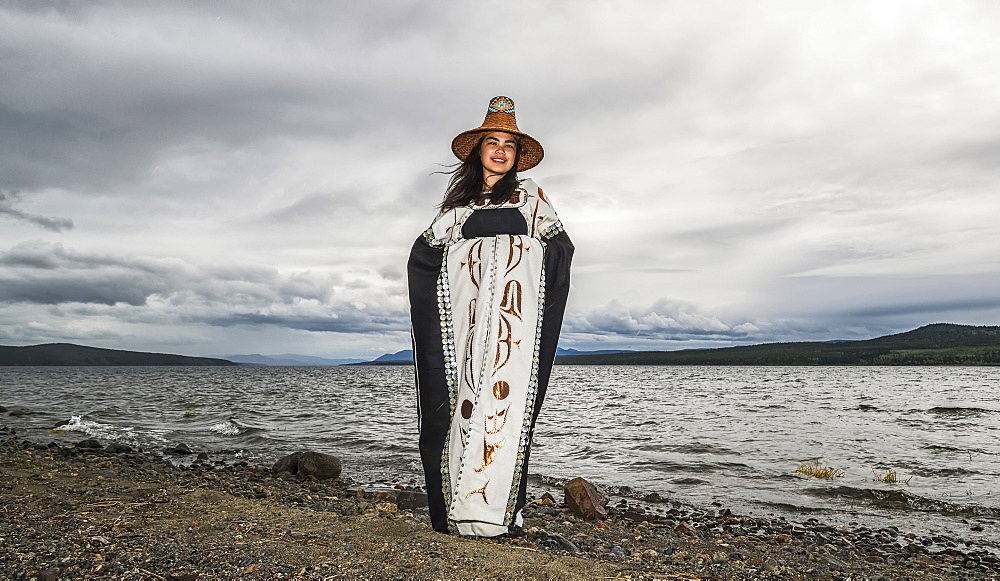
488,283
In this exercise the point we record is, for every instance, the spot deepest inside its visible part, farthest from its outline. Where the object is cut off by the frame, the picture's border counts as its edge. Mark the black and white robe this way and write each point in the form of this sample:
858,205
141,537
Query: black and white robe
488,287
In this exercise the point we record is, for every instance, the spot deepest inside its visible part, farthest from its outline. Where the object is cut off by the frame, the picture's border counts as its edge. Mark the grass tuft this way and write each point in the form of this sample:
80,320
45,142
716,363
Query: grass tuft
817,470
890,477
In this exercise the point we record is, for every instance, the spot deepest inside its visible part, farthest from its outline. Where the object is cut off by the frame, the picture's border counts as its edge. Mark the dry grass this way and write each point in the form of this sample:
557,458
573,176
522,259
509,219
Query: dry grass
817,470
890,477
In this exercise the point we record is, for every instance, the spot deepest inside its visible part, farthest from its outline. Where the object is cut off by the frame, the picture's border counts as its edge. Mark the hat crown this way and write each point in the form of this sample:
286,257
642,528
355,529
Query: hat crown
501,104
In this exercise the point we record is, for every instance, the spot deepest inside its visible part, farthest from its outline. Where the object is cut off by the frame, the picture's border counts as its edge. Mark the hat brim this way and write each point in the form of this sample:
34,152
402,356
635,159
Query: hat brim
531,153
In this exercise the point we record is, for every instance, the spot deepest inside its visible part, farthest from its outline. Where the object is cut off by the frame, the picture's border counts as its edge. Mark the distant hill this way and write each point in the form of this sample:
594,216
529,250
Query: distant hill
937,344
561,351
69,354
288,359
405,357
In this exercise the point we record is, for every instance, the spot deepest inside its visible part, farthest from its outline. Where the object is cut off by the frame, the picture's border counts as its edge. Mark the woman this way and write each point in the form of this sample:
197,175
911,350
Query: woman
488,283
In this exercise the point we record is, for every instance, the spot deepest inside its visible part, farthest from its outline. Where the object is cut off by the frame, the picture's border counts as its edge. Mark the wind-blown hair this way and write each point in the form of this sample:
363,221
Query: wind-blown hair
466,183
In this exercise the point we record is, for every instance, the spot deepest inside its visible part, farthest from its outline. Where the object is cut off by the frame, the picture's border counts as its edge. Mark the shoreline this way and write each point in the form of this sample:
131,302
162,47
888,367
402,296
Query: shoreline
74,513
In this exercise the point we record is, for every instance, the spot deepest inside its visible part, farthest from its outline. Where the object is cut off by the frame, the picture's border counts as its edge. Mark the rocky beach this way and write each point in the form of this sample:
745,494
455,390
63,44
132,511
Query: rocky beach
93,511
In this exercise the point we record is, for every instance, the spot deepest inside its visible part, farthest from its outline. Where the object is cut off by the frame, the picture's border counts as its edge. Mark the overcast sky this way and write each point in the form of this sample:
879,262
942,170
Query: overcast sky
247,177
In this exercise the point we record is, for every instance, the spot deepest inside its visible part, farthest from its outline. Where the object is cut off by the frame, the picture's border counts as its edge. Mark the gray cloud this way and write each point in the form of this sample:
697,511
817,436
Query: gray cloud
741,173
144,290
346,321
7,201
664,319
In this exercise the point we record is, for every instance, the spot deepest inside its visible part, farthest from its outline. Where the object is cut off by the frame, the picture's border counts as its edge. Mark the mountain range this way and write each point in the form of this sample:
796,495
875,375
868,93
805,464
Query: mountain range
69,354
405,356
937,344
288,359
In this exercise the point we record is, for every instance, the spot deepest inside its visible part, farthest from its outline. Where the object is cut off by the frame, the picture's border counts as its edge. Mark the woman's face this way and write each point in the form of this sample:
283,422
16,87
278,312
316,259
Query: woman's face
497,153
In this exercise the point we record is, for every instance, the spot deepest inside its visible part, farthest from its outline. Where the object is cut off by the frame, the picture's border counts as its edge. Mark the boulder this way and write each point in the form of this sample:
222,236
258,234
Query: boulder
89,444
320,466
180,449
289,464
638,516
117,448
409,499
584,500
316,464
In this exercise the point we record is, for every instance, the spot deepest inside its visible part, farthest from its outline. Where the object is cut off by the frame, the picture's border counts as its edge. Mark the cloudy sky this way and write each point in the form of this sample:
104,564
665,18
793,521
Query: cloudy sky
211,178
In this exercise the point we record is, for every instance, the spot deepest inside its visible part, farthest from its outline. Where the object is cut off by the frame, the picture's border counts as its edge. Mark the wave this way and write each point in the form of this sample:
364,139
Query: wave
959,412
100,430
689,481
226,428
229,428
667,467
902,500
938,448
699,448
232,427
945,472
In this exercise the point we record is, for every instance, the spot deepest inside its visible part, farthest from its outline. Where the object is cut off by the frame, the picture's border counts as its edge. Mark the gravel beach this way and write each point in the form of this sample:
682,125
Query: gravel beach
68,512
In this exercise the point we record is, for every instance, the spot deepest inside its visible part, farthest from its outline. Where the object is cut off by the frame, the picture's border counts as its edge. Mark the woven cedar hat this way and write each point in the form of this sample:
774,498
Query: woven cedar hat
500,117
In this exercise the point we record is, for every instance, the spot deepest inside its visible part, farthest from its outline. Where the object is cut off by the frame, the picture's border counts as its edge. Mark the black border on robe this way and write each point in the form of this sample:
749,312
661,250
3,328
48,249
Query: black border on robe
433,406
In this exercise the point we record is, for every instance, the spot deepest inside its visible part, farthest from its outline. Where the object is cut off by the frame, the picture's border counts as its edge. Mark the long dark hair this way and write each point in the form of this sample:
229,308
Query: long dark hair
466,183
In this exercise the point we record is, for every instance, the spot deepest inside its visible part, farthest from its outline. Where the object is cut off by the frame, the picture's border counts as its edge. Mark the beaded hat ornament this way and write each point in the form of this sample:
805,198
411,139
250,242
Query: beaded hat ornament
500,117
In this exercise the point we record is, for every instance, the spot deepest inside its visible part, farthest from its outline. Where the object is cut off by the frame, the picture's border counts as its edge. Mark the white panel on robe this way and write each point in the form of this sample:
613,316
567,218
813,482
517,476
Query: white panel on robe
494,289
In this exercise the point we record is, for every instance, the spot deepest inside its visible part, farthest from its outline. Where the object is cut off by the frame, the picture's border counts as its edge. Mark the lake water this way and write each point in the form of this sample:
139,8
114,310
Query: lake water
732,435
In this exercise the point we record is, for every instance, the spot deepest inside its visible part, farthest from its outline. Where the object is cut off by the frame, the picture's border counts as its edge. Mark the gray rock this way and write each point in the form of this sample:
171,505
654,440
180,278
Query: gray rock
179,449
315,464
564,542
584,500
89,444
287,464
117,448
409,499
320,466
